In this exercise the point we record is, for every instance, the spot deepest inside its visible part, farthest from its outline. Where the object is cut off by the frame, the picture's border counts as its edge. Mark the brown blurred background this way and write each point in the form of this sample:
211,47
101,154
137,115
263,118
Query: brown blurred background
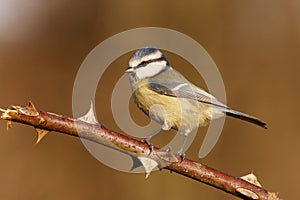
255,44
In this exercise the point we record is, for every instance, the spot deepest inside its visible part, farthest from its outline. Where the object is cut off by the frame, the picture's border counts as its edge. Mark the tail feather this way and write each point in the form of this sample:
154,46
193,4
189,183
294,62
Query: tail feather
245,117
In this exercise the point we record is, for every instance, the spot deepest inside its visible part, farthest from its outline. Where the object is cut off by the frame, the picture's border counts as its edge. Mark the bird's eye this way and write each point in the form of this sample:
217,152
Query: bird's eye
143,63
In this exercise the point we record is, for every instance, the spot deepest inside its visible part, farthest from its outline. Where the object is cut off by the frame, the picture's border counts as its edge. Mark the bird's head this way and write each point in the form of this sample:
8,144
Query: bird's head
147,62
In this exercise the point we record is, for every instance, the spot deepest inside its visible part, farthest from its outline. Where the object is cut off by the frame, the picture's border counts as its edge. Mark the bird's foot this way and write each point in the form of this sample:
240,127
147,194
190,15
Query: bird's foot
181,153
150,145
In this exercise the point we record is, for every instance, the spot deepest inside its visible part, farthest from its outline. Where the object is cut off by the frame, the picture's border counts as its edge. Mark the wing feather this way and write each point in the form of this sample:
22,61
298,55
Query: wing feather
185,90
182,88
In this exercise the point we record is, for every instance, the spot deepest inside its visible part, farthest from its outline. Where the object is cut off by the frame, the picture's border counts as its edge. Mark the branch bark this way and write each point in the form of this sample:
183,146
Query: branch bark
98,133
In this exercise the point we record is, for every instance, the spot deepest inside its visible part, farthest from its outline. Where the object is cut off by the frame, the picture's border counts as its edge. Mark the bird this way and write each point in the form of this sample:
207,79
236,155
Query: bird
168,98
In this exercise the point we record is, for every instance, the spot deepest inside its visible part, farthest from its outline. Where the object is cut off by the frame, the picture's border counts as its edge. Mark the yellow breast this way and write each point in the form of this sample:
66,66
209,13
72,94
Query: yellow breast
176,112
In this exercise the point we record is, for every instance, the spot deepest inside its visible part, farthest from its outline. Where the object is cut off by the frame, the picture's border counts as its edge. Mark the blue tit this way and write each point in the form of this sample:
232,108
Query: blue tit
168,98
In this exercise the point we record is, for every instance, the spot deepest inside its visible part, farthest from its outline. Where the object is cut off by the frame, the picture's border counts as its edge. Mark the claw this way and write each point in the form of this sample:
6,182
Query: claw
181,154
182,157
150,145
181,151
148,138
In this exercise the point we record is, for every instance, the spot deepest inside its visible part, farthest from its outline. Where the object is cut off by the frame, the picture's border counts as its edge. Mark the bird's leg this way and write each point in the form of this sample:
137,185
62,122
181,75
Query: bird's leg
148,138
181,150
165,126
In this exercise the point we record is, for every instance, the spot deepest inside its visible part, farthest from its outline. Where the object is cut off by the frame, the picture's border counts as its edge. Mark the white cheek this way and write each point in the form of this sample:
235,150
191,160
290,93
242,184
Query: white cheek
150,70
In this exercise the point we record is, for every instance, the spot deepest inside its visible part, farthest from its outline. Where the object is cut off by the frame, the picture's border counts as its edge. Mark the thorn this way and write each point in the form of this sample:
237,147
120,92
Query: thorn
247,193
251,178
30,105
28,110
167,157
41,133
89,116
148,164
135,162
8,125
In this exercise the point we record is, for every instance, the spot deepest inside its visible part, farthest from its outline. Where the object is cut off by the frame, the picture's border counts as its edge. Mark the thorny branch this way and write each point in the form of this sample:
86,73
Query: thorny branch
86,127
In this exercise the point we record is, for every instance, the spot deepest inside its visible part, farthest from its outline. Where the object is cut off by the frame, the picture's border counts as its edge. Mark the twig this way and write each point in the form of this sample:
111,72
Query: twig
45,121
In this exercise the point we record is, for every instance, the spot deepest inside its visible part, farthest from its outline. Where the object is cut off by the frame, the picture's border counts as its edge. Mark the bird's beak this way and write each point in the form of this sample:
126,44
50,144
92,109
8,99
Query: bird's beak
129,69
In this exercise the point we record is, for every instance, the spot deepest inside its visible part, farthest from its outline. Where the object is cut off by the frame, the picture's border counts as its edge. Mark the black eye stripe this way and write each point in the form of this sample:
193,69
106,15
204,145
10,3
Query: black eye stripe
144,63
